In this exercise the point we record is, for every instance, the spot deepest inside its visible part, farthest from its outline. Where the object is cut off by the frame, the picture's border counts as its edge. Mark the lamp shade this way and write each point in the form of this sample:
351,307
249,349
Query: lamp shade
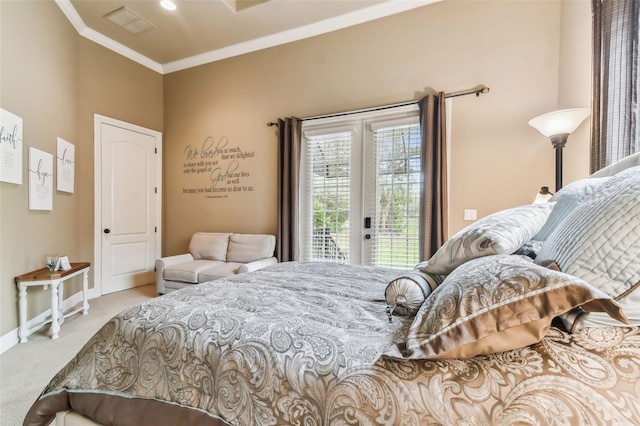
564,121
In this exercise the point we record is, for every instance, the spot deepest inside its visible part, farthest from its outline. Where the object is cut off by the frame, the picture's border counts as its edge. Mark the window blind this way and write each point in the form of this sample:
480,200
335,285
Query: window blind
329,178
397,184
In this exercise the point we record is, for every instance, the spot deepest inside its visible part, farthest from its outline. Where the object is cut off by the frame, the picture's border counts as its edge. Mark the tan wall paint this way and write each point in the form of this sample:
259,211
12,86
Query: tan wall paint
498,160
112,86
55,80
39,57
575,83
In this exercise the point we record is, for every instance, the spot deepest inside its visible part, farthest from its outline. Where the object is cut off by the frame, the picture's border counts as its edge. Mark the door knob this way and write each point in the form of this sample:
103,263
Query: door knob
367,236
107,230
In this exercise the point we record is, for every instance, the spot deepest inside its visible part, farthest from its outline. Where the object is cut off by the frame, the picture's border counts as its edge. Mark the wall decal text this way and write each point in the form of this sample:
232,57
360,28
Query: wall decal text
216,168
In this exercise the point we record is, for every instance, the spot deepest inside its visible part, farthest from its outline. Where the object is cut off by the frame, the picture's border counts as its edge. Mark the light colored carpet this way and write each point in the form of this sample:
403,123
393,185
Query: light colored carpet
26,368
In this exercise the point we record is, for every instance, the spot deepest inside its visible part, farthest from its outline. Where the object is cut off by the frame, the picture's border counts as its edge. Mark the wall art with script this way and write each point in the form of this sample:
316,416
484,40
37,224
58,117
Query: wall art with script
10,147
40,180
217,168
65,165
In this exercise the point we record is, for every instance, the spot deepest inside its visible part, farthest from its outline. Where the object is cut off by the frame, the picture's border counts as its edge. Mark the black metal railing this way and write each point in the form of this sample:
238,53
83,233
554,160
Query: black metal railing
325,247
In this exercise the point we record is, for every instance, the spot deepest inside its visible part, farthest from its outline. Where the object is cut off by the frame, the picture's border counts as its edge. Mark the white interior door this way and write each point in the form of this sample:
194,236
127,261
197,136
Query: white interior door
129,205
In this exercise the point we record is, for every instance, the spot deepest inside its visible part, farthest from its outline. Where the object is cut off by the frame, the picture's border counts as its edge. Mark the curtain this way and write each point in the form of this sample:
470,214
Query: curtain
433,206
614,128
289,145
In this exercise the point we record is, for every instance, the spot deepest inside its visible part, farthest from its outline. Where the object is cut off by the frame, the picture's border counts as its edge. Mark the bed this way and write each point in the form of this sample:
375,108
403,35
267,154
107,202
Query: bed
490,335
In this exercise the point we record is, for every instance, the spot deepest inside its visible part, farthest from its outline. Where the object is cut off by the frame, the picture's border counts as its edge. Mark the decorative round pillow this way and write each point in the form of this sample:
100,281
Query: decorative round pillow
405,294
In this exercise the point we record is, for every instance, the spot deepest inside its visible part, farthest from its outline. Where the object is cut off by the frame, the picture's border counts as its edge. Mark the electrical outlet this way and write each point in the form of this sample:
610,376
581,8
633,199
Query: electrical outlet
470,214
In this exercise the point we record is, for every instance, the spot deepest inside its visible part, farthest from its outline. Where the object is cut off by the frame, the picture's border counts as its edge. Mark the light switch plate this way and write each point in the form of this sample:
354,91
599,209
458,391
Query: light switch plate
470,214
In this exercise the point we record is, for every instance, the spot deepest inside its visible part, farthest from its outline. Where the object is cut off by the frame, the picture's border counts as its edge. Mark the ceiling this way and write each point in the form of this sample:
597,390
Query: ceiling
203,31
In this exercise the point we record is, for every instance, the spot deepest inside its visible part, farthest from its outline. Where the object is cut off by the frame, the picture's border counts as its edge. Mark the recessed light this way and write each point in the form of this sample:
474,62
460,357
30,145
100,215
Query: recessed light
168,4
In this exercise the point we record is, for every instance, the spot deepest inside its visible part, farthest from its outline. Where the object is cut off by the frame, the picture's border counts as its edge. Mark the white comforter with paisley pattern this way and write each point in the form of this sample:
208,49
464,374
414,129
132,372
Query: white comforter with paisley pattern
301,344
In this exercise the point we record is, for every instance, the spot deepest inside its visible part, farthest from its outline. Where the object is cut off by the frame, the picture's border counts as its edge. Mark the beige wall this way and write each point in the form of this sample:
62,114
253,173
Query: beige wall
112,86
41,89
55,80
575,83
498,160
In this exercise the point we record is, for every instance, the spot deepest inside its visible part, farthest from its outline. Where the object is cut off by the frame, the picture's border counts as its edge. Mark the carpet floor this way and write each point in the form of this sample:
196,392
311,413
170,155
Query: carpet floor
26,368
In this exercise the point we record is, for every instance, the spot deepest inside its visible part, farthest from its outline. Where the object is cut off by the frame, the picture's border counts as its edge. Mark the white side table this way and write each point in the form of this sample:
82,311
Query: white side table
56,280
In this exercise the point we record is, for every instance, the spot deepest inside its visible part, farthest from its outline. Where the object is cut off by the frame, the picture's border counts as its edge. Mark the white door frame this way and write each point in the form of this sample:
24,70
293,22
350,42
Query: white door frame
98,120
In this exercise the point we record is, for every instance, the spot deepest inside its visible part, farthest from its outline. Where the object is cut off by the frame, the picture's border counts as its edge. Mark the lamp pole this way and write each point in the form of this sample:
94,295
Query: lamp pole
559,141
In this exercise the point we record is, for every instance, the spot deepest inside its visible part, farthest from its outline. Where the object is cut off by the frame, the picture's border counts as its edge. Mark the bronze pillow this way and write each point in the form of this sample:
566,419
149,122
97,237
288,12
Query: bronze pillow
493,304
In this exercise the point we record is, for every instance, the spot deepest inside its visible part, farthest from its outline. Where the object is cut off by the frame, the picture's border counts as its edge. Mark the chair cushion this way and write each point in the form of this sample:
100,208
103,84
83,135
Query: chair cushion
245,248
209,245
187,272
219,270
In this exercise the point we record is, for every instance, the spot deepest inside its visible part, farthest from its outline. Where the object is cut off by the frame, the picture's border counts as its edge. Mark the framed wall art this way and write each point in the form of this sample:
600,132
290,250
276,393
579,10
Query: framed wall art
65,166
10,147
40,180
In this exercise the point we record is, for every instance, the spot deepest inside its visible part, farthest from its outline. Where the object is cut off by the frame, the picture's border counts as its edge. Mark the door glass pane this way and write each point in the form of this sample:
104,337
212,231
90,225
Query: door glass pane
330,167
395,235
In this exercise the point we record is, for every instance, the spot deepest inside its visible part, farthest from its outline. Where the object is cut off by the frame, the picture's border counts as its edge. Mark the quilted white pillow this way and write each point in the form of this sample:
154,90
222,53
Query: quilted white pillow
599,242
499,233
567,199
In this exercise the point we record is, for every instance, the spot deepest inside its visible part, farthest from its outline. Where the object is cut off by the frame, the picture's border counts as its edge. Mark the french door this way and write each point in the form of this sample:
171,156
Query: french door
360,189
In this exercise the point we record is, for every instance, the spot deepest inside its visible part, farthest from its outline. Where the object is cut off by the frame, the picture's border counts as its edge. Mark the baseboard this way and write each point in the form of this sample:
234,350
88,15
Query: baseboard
11,339
92,293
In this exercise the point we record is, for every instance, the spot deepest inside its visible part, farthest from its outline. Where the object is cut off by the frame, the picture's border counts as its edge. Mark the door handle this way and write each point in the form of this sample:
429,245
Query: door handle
107,230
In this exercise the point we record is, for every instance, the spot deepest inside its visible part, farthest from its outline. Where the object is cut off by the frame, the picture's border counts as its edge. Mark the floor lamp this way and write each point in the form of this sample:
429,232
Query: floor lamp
557,126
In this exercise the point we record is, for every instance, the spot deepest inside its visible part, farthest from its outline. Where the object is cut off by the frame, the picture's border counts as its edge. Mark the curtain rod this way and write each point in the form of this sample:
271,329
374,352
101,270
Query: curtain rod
478,90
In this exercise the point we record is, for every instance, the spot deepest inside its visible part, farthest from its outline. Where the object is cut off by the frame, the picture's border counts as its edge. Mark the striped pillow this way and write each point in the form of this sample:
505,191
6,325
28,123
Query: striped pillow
567,199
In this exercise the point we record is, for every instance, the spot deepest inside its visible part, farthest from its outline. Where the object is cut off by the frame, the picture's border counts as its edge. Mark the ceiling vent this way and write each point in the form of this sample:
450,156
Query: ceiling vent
128,20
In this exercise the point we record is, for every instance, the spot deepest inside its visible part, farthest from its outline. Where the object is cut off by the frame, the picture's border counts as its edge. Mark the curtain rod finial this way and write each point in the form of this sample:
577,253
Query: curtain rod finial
483,89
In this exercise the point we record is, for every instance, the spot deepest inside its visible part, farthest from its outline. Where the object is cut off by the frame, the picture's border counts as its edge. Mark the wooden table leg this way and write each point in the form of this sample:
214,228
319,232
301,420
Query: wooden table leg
60,303
55,313
22,307
85,289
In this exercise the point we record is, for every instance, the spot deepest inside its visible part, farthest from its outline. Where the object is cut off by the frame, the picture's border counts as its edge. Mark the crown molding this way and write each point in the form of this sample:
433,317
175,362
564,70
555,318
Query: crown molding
321,27
361,16
82,29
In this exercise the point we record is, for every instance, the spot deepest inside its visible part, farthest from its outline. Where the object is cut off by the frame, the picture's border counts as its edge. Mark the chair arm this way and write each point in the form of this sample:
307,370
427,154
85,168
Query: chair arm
165,262
174,260
257,264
